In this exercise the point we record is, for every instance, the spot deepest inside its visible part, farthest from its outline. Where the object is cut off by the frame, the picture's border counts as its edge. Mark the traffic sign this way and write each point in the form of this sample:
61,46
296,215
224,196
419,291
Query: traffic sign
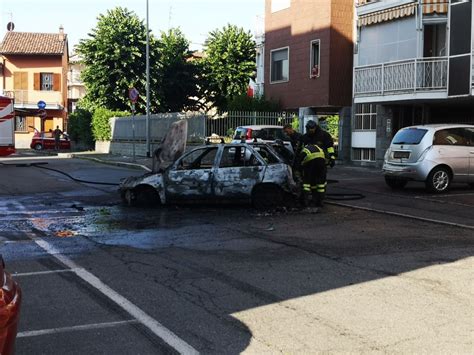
133,94
42,114
41,104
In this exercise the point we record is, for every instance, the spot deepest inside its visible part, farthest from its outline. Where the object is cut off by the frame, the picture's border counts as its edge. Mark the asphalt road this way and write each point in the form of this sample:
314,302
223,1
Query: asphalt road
99,277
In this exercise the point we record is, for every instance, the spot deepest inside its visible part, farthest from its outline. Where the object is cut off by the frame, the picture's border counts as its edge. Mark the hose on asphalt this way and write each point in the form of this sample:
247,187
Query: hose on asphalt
40,166
343,196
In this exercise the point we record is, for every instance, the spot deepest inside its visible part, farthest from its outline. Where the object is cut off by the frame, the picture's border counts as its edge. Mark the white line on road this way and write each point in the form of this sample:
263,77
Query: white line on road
156,327
402,215
42,272
35,333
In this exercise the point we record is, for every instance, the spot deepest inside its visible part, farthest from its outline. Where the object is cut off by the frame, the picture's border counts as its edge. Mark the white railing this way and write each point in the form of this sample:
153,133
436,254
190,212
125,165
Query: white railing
400,77
31,97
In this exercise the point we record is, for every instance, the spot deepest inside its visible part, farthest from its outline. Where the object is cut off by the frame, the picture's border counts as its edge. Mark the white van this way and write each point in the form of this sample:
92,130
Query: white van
437,154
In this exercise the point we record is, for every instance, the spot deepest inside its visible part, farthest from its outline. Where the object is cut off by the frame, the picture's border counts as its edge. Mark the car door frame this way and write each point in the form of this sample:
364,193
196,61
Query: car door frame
189,185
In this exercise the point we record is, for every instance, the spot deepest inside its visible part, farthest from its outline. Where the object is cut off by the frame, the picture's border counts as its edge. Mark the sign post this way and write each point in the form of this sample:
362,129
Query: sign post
41,112
133,96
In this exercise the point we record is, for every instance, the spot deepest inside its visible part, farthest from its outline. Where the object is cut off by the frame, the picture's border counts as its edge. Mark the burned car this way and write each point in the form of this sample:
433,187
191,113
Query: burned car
222,173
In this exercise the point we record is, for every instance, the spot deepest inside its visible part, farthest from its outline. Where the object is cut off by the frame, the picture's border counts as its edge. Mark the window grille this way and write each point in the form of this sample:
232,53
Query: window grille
365,117
21,124
47,81
363,154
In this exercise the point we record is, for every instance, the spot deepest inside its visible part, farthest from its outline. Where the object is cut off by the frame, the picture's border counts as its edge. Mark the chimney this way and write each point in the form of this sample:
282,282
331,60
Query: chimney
61,33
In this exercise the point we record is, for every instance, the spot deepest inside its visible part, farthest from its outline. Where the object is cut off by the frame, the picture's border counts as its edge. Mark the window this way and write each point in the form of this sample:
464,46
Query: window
365,117
409,136
21,124
47,81
20,80
198,159
363,154
455,136
238,156
314,68
279,65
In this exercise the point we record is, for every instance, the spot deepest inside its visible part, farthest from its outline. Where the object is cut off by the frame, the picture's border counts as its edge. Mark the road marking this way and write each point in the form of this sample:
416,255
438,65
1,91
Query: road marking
35,333
402,215
21,274
156,327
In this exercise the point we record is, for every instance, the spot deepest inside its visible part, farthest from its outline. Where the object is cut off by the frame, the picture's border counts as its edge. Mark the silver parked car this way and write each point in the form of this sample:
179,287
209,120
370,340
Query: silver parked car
437,154
226,173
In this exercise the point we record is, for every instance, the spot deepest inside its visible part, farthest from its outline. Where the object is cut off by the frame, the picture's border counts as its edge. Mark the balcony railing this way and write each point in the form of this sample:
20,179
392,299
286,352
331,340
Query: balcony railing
27,98
401,77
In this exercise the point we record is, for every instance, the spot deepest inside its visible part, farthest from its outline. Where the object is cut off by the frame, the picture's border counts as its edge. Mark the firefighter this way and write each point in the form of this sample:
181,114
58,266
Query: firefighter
312,162
295,137
316,136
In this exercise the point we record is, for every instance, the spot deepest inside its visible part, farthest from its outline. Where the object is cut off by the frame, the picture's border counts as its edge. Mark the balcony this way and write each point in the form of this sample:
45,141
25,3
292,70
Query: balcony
28,99
419,78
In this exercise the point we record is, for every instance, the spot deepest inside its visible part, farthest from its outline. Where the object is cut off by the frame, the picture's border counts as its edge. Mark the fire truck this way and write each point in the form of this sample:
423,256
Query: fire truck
7,126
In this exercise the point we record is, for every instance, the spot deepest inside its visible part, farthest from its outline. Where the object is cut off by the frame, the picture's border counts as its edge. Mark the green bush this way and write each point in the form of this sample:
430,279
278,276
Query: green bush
101,123
79,128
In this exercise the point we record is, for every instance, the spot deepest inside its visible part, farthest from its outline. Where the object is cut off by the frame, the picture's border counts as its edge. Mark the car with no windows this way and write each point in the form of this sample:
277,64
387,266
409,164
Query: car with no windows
221,173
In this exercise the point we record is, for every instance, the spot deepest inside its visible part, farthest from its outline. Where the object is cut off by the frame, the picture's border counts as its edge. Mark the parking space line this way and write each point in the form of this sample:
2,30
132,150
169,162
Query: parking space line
152,324
35,333
34,273
401,215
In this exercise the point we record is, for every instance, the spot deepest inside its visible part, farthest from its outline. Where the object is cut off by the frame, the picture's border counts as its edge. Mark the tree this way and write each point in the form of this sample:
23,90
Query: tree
179,83
80,129
229,64
115,60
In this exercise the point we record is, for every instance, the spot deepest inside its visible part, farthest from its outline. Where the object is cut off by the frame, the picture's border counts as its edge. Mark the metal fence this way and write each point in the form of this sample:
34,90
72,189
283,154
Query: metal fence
224,123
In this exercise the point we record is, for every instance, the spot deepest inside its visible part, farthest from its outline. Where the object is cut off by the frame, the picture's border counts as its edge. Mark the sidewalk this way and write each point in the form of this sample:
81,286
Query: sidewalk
139,162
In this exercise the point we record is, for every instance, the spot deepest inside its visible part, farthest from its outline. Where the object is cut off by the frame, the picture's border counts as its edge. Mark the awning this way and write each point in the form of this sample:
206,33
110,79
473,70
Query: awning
435,6
387,15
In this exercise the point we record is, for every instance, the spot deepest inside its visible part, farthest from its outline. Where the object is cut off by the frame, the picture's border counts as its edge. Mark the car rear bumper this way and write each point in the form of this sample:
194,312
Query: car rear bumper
417,171
10,302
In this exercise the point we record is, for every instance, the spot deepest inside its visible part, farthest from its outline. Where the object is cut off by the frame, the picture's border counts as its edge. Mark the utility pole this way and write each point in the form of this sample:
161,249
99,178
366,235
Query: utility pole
147,85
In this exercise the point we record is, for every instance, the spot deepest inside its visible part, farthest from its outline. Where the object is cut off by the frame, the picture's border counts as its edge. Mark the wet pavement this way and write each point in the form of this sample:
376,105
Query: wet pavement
104,278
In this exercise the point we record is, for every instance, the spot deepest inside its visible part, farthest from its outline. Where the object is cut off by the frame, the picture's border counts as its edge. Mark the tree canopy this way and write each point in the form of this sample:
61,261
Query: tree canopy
229,63
115,60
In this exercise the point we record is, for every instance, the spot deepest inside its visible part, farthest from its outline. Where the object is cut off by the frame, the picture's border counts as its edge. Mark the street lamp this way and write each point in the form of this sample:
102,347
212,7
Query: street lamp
147,85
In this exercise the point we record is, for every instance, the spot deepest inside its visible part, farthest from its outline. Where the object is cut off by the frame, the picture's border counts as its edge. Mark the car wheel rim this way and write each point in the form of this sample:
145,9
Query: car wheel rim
440,180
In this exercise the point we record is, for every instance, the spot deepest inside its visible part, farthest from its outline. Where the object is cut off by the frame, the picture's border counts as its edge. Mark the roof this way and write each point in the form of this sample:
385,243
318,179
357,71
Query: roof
27,43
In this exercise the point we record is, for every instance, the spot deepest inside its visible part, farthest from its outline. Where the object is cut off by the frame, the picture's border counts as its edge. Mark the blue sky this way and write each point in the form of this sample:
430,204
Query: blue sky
195,17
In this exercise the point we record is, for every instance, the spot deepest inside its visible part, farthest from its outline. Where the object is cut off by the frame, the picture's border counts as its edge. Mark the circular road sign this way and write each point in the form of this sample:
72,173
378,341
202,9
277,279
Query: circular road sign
133,94
41,104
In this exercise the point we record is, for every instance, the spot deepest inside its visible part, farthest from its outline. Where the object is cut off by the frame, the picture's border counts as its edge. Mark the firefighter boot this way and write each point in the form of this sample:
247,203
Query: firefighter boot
318,198
306,198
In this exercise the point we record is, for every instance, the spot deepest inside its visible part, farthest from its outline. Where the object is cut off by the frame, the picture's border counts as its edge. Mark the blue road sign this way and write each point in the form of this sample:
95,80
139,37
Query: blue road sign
41,104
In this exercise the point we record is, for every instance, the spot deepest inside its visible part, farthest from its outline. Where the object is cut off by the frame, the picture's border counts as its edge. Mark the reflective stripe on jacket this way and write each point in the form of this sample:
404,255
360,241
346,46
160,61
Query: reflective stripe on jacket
311,152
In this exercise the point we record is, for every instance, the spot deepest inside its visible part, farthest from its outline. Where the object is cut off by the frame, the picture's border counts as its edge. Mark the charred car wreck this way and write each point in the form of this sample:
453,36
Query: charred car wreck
222,173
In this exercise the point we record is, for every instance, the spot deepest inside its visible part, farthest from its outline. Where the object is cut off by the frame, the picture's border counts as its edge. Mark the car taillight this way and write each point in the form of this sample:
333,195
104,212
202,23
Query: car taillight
249,133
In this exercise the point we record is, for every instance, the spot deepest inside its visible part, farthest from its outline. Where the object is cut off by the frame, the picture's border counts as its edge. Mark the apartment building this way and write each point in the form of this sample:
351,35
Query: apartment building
34,70
307,56
413,64
75,85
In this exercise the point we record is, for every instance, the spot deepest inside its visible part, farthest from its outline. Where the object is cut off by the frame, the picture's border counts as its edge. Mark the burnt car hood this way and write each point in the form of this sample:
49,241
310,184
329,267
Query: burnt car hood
172,146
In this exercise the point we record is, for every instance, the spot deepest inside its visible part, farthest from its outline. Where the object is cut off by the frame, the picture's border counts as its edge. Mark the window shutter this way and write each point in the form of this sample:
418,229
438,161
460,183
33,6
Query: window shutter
20,80
37,82
30,122
17,80
56,82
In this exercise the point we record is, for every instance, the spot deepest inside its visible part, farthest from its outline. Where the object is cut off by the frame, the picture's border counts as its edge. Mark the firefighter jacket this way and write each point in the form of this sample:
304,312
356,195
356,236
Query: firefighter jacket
323,140
309,153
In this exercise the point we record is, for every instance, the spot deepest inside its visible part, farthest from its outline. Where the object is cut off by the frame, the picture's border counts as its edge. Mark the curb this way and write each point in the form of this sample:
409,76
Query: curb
116,163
